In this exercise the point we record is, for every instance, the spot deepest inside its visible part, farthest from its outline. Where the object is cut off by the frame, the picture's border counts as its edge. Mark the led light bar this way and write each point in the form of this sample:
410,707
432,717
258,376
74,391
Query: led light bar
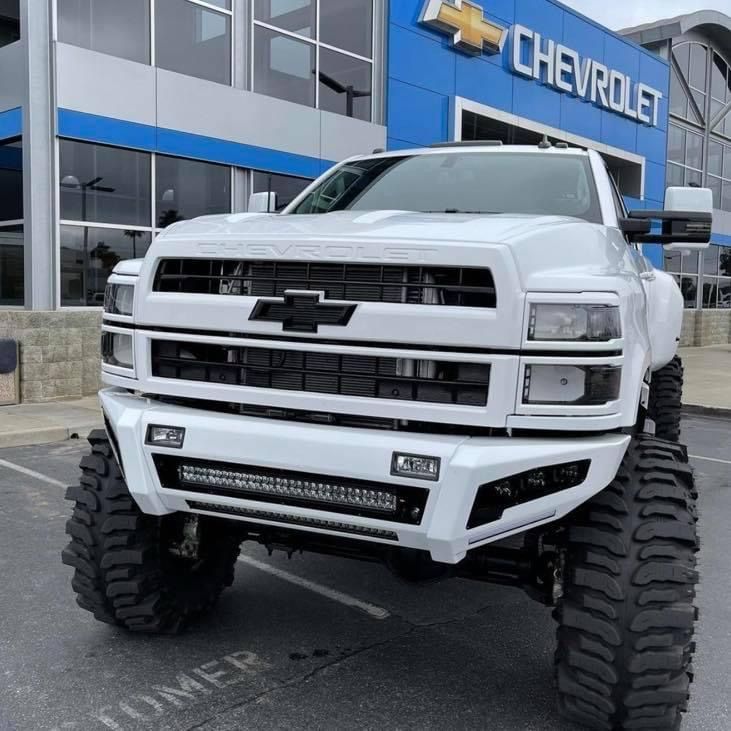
276,517
380,500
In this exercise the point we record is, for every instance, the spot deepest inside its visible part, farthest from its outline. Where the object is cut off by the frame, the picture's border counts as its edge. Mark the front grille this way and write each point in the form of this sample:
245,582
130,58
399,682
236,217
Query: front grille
407,284
443,382
382,501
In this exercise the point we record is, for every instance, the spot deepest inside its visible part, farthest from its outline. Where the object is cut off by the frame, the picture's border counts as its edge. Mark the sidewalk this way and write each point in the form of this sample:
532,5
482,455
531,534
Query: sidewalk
50,422
707,390
707,387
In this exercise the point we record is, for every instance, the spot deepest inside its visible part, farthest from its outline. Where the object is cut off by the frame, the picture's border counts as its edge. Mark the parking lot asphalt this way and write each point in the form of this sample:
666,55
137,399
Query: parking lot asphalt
311,642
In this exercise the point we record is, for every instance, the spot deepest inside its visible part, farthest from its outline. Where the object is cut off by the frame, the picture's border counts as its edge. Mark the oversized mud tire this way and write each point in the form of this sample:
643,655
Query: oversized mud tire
626,617
125,573
666,394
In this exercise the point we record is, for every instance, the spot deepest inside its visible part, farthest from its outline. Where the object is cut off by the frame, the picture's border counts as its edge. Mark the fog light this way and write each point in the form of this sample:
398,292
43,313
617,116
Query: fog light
165,436
496,497
416,466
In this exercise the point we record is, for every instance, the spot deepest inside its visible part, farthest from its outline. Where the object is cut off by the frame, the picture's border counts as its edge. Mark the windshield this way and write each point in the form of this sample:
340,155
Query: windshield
469,182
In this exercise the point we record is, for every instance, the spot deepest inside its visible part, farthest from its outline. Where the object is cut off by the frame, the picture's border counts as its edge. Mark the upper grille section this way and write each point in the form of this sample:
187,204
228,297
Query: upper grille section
408,284
445,382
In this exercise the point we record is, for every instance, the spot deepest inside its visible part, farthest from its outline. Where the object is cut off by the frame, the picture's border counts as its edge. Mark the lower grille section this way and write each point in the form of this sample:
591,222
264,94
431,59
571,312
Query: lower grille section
386,535
397,503
431,381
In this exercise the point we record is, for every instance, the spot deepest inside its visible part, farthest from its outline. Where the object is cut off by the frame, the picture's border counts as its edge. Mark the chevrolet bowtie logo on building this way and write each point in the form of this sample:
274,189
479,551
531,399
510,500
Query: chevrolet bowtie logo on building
302,312
466,23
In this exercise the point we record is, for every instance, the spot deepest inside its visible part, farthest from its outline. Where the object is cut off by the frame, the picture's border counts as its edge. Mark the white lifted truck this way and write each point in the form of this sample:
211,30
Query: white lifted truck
454,360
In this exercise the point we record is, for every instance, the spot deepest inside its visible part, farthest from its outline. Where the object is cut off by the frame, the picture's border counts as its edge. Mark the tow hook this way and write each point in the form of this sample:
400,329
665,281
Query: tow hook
189,546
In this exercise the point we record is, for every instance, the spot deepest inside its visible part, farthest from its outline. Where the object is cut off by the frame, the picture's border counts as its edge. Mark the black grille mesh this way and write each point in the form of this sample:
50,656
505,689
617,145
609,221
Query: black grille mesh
431,381
408,284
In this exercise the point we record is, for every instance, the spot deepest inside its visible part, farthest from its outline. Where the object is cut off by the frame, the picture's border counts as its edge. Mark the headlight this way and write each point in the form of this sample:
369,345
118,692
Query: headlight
571,385
575,322
117,349
118,299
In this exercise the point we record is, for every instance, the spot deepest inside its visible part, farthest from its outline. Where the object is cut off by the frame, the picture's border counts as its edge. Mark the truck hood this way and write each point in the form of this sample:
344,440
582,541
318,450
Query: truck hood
540,246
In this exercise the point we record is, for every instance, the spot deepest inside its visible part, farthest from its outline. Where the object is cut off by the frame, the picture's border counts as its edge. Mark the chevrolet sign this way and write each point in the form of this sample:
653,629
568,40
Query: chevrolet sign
542,59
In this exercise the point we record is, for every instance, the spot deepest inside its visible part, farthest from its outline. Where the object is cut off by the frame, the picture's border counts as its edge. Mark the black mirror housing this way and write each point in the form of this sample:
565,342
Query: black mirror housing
678,227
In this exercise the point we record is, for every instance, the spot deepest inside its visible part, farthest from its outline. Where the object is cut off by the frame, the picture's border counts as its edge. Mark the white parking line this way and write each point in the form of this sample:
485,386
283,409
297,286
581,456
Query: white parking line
709,459
338,596
31,473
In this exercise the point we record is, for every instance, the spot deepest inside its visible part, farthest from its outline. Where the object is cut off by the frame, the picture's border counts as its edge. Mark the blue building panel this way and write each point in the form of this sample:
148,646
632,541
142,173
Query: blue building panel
411,53
484,82
416,114
11,123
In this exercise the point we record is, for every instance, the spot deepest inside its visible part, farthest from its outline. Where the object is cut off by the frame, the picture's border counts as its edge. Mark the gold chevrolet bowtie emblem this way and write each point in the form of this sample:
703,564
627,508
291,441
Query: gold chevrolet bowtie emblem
465,22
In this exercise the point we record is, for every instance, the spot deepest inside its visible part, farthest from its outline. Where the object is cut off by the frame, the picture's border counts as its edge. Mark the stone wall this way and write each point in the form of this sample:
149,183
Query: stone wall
706,327
59,352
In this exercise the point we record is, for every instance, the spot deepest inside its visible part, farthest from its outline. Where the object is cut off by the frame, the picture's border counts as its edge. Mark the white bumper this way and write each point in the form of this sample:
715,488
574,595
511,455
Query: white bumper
466,463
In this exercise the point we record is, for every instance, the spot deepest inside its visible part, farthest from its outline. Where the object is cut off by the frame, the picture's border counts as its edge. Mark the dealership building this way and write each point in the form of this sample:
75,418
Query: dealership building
118,118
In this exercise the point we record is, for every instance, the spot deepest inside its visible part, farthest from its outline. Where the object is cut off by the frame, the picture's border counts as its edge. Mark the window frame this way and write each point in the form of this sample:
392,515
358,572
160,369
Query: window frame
315,41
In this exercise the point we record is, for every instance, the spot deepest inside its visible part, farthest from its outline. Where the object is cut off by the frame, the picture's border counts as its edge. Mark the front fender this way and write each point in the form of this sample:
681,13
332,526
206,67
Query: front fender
664,317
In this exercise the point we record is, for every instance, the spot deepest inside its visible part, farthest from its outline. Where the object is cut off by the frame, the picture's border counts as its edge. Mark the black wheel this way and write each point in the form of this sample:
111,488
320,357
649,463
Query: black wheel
666,393
626,617
136,570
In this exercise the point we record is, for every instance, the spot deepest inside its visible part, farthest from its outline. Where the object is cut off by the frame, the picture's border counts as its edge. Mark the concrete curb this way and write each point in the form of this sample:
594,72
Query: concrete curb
47,435
700,410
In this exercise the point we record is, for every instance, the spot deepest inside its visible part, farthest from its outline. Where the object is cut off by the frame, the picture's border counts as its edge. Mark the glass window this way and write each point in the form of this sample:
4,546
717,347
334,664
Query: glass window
88,256
719,75
726,197
693,178
297,16
464,182
676,175
190,188
690,263
284,67
193,40
678,98
715,185
286,187
348,24
710,294
689,288
9,22
724,266
11,181
724,293
694,151
11,266
109,26
104,184
715,157
672,261
676,144
710,260
345,85
698,66
682,56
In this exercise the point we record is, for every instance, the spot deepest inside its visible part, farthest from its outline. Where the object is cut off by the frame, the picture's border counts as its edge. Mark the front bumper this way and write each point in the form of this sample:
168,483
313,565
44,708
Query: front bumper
361,454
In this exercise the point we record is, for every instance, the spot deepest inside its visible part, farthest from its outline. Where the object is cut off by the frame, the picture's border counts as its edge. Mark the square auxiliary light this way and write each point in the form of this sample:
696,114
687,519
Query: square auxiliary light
416,466
165,436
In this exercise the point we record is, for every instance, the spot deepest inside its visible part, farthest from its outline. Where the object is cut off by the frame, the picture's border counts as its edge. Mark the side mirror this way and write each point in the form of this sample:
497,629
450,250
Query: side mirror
686,220
262,203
